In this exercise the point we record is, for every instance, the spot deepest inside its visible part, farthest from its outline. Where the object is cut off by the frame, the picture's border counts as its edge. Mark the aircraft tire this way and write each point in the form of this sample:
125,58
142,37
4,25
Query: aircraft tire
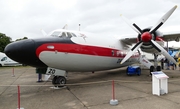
158,68
61,80
151,69
54,80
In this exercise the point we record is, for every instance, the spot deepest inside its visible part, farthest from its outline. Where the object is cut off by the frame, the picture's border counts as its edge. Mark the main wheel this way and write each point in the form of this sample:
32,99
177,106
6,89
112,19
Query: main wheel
158,68
151,69
54,80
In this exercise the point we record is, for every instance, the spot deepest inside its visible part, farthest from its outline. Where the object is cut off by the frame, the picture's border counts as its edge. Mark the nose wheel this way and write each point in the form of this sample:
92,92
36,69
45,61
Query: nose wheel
59,81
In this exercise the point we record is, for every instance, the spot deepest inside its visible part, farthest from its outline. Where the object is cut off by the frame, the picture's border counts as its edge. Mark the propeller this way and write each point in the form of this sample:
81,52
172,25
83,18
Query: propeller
131,52
162,20
43,32
132,25
65,26
163,51
147,36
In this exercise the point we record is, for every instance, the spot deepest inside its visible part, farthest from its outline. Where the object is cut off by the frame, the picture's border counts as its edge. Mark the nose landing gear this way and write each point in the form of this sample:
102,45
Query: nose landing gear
59,81
59,78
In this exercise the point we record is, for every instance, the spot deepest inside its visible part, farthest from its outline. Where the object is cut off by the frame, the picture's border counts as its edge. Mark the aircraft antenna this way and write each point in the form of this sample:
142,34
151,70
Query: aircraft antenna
79,26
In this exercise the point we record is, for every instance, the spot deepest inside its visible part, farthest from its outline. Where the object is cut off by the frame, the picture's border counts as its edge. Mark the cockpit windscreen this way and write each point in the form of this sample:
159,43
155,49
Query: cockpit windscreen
63,34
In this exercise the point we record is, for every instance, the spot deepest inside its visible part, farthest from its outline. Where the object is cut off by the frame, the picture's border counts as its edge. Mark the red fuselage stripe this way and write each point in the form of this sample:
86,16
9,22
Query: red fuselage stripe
81,49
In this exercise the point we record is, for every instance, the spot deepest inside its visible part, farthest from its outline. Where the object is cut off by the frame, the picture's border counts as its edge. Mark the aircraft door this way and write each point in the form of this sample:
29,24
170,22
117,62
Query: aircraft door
113,53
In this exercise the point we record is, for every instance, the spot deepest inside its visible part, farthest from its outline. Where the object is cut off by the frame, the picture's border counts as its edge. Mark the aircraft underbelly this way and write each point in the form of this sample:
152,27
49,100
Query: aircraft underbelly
81,62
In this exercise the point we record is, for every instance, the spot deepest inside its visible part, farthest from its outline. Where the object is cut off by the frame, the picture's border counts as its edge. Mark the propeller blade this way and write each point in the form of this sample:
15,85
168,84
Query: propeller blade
65,26
132,51
162,20
43,32
132,25
163,51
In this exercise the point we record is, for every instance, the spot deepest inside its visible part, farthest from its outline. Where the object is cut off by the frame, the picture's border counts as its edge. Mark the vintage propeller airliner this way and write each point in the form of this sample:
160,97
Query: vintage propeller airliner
71,51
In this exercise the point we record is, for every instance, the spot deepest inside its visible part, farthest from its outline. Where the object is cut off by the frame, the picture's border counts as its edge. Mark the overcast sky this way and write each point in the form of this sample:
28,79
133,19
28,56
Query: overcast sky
20,18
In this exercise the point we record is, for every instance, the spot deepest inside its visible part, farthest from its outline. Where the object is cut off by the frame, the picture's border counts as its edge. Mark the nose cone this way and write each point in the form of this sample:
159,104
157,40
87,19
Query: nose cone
24,51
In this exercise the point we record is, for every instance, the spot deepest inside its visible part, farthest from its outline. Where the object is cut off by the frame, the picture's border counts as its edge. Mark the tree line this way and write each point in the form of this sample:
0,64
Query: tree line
5,40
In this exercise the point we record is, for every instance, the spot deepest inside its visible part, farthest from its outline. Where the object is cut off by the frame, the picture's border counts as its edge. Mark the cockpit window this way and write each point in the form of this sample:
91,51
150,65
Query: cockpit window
73,35
67,34
4,58
56,34
63,34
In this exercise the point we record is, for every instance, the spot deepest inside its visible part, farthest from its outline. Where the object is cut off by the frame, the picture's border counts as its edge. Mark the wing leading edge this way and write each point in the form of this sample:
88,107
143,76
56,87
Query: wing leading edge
167,36
173,36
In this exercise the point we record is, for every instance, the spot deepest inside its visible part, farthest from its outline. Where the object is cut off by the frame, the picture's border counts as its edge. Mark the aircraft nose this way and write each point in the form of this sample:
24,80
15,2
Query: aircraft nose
23,51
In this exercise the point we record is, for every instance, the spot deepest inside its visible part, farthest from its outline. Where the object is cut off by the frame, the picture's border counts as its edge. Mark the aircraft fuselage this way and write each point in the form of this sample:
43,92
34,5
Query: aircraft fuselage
71,54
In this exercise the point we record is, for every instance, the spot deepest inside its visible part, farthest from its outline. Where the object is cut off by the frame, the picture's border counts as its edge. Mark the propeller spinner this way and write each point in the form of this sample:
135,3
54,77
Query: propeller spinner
147,36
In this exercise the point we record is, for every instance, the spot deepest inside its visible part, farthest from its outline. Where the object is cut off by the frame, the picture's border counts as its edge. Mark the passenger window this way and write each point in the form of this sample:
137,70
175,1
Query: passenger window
112,52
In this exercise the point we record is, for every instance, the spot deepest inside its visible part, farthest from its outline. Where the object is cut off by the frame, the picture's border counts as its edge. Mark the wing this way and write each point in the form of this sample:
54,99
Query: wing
128,39
173,36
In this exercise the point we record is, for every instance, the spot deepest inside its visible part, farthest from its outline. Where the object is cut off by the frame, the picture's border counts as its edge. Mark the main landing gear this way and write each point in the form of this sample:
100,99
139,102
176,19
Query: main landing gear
144,61
152,69
156,67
